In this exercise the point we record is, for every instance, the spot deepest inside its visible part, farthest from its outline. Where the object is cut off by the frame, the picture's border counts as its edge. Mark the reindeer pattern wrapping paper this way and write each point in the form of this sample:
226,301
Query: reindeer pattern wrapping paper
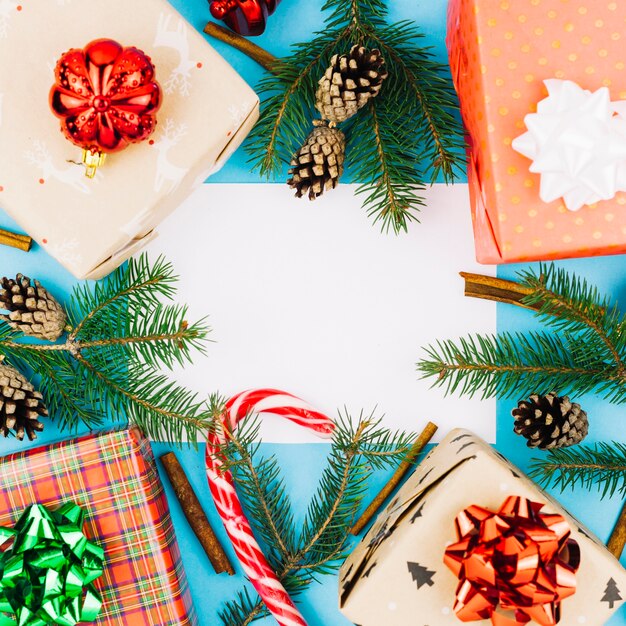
397,576
92,226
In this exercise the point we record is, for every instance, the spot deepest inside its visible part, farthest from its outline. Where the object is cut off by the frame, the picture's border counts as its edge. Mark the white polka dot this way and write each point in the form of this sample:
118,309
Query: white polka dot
392,606
504,487
582,619
446,610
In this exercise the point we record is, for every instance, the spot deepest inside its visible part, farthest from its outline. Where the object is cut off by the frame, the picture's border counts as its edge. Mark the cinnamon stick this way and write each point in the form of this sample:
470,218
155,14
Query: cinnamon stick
617,540
195,515
396,479
498,289
256,53
22,242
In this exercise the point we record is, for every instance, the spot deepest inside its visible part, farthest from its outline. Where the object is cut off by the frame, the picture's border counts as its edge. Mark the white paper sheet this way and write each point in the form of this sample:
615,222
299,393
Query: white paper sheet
312,299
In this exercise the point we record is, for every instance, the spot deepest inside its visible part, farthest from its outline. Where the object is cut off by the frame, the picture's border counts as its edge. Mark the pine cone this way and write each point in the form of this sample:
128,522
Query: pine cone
317,166
20,405
32,309
348,84
550,422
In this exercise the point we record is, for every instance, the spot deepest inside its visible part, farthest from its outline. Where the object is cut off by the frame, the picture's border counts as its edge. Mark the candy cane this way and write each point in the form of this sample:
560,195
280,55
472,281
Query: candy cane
228,505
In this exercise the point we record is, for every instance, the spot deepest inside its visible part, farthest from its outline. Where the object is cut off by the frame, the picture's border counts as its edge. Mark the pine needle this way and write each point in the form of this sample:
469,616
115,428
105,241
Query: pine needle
601,467
582,350
408,136
301,553
122,332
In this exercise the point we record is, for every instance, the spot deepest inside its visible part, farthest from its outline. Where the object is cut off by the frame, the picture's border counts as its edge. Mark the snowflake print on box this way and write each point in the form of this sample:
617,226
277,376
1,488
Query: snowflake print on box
66,251
176,38
239,113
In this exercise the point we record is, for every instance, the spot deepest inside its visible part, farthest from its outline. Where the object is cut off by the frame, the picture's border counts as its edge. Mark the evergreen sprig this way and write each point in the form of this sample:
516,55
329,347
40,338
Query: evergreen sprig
407,136
601,466
121,332
582,350
300,552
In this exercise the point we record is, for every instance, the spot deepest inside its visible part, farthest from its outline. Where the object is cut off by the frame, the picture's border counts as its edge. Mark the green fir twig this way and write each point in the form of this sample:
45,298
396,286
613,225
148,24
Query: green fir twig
583,348
299,553
601,466
409,135
121,332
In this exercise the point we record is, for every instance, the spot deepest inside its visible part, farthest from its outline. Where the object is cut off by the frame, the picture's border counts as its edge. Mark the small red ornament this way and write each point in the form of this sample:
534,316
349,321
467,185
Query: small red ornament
246,17
106,97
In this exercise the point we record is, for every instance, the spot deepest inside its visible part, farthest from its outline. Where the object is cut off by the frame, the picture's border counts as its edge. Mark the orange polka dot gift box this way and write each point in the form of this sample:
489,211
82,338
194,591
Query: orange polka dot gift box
113,477
542,86
131,81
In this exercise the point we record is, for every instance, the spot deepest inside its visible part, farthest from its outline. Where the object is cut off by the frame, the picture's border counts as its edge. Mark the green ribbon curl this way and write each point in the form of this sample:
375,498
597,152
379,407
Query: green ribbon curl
46,576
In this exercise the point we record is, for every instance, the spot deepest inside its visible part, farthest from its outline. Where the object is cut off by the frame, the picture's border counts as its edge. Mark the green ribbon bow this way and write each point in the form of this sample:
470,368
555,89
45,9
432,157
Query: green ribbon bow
46,576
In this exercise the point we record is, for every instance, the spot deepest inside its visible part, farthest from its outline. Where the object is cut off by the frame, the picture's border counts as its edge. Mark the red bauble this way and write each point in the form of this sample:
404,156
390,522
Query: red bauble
105,95
246,17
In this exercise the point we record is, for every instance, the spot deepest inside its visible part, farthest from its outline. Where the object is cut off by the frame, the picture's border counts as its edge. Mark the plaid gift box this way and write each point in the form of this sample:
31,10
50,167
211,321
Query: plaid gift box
113,476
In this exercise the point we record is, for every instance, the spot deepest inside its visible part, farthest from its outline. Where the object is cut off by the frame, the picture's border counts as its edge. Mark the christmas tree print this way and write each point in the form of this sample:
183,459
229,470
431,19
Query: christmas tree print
417,513
421,575
368,571
611,593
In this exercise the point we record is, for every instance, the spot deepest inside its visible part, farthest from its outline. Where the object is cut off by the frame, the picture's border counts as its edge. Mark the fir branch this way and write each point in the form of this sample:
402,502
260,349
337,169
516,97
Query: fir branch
409,135
163,409
568,304
137,282
244,605
318,547
120,334
426,80
286,113
583,350
510,364
383,144
602,467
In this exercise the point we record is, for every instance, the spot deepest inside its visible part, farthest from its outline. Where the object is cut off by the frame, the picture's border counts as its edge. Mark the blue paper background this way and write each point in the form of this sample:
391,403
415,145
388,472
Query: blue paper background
294,21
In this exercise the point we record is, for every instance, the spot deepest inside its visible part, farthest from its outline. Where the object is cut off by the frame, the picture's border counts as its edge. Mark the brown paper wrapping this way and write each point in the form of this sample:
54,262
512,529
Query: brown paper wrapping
396,575
92,226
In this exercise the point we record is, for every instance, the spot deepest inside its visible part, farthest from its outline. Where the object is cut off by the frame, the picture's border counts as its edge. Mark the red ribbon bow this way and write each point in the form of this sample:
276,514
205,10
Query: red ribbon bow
514,566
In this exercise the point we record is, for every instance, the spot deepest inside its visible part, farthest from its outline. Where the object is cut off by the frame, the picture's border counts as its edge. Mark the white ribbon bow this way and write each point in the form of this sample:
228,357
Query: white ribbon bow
577,142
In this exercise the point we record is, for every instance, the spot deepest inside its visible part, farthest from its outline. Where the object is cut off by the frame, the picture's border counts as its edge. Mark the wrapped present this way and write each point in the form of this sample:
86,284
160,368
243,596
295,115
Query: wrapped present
113,478
92,225
469,538
540,85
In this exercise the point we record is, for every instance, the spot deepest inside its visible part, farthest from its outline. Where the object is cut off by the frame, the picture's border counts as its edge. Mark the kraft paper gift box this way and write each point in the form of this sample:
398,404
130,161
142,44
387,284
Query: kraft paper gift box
397,576
92,226
113,477
500,53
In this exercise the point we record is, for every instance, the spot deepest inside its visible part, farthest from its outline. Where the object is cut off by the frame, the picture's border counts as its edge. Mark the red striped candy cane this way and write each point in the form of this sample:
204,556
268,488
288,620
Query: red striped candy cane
254,564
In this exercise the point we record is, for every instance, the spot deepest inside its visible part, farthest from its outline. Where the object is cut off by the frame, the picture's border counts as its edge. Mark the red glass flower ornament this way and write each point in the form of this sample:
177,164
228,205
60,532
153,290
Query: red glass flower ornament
246,17
106,96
